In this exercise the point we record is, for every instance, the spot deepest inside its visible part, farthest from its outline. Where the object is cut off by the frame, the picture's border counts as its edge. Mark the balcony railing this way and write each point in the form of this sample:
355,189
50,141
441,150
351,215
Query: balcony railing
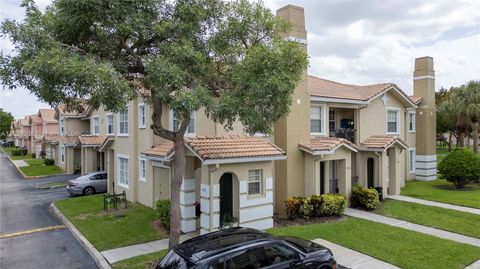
346,133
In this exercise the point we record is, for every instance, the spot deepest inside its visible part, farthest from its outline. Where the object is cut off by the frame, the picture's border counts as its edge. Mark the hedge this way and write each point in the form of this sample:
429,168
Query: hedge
163,211
460,167
49,162
19,152
364,198
315,206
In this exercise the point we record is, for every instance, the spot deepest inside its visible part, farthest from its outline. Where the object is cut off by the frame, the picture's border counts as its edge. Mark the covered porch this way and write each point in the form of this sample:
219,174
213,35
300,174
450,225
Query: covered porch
91,159
228,181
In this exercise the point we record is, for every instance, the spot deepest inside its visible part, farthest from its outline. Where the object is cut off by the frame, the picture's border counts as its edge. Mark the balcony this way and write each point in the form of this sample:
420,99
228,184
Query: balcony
346,133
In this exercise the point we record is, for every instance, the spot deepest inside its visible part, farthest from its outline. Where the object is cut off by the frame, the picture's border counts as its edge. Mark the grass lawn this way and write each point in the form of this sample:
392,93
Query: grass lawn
147,261
37,167
113,229
442,191
436,217
404,248
8,150
23,157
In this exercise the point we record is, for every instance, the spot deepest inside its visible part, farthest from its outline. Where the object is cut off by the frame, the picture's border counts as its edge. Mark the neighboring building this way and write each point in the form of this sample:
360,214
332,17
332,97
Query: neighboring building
42,124
336,135
24,136
71,125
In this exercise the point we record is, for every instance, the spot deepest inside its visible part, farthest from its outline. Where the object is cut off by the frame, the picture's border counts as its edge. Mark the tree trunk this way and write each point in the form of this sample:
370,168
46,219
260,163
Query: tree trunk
461,139
178,173
450,141
475,136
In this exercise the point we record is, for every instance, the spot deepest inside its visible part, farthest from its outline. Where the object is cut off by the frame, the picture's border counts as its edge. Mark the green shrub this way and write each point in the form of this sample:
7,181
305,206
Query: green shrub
306,209
49,162
293,207
316,202
34,155
332,205
363,197
19,152
163,210
43,154
460,167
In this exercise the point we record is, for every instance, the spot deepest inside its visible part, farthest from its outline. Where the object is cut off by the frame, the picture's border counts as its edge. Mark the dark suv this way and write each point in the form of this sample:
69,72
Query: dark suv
244,248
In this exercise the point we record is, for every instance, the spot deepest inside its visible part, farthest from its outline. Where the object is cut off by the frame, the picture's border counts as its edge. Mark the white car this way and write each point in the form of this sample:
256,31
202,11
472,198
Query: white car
88,184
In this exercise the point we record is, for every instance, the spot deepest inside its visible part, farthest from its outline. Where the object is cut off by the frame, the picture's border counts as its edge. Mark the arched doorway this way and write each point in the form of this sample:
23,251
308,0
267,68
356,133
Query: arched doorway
370,172
228,199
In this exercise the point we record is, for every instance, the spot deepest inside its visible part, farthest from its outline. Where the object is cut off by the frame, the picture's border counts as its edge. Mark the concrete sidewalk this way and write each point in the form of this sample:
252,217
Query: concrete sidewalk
412,226
437,204
475,265
353,259
123,253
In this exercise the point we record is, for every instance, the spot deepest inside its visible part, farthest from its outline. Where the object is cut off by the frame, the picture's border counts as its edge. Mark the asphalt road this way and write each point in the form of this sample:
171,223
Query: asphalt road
23,208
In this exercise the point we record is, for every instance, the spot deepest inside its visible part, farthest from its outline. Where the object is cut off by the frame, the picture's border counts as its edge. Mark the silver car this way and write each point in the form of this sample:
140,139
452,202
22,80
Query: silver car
88,184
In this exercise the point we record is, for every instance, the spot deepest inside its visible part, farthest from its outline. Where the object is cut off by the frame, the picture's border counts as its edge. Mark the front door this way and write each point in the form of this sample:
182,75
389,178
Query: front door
370,171
162,180
322,177
226,199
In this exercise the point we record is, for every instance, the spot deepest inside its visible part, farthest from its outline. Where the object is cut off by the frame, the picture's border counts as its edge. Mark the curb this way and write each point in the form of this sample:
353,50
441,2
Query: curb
32,177
100,261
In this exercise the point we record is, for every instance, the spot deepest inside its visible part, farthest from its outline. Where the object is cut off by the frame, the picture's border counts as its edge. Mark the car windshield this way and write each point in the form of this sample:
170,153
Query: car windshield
173,261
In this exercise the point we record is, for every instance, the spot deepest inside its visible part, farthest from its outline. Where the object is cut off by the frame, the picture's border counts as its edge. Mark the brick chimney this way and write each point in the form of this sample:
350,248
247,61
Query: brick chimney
294,128
426,119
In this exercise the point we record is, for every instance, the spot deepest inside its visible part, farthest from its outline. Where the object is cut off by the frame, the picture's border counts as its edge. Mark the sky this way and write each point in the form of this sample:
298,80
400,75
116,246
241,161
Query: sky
353,42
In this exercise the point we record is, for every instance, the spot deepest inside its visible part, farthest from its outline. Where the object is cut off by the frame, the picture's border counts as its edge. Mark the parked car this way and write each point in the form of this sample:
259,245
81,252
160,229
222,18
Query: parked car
88,184
245,248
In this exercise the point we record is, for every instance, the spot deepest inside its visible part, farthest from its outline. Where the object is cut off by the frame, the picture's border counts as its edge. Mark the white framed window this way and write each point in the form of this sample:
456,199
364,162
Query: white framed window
412,155
142,120
411,121
393,121
122,170
95,125
175,125
255,179
317,114
142,169
62,154
123,123
62,126
109,121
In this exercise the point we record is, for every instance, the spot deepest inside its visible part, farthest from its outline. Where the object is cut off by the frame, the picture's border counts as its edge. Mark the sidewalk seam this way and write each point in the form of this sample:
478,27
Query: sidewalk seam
99,260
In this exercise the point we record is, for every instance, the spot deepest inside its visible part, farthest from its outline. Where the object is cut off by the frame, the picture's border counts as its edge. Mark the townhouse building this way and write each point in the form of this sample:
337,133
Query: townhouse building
43,129
336,135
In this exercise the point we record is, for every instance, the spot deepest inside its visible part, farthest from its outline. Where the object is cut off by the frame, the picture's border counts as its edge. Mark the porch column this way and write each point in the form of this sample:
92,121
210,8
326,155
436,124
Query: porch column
345,177
187,206
383,173
209,203
394,173
326,176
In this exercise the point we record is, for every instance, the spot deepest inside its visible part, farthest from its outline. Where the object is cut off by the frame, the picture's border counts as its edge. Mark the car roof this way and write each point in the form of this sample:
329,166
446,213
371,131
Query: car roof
211,244
96,173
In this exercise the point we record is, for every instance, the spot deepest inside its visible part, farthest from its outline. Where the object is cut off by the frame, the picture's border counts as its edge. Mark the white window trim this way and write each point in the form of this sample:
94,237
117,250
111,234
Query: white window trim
324,119
193,117
396,109
140,177
414,121
140,125
122,156
261,182
410,171
113,123
118,124
62,154
93,125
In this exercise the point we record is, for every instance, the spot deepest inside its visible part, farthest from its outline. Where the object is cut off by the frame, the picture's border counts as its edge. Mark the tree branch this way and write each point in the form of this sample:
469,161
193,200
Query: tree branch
157,126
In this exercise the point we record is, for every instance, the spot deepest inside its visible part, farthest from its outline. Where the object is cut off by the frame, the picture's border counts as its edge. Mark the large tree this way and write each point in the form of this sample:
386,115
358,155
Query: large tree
6,120
229,58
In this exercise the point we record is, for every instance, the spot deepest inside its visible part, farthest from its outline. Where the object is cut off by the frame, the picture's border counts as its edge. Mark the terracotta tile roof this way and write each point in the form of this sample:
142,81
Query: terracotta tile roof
51,138
233,146
324,143
62,111
327,88
416,99
68,140
381,142
35,118
164,149
47,114
90,140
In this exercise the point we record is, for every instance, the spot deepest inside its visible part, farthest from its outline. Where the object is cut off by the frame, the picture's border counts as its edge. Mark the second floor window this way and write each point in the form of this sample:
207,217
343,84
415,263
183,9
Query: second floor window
110,124
95,127
141,116
316,116
411,122
62,126
191,124
331,121
393,121
123,122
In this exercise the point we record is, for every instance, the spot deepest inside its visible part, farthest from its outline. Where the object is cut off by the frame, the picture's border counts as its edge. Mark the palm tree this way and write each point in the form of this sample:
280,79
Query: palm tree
465,104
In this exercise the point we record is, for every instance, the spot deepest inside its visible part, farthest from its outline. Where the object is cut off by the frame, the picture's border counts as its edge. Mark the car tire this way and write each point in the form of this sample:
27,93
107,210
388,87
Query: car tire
89,191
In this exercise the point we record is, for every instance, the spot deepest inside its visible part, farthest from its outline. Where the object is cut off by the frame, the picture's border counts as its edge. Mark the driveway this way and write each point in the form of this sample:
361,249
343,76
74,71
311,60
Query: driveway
28,232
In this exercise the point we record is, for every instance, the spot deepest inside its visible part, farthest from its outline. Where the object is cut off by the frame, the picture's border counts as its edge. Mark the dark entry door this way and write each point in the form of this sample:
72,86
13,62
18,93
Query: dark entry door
370,172
322,177
226,199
